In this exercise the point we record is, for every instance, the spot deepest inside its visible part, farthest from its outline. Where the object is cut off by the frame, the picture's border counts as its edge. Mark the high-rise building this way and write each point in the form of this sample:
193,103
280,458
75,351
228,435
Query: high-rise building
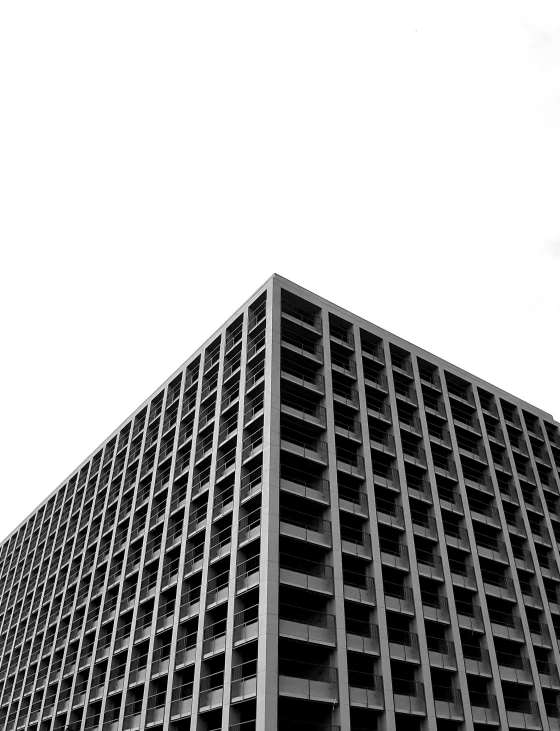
312,525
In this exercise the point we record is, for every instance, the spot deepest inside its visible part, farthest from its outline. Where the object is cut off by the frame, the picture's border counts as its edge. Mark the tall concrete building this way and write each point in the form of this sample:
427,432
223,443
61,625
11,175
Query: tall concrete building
313,525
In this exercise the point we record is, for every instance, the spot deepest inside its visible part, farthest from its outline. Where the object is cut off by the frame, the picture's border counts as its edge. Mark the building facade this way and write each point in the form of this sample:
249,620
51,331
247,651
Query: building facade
312,525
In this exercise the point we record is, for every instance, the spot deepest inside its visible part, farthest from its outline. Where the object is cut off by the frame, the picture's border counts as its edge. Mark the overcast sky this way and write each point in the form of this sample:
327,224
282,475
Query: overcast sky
159,161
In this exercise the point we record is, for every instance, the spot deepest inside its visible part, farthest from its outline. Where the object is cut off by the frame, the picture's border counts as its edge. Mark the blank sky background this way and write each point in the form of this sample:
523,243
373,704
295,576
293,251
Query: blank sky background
159,161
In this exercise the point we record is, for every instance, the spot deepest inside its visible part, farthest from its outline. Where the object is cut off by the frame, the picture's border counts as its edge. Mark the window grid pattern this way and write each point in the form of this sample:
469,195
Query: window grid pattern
434,499
125,588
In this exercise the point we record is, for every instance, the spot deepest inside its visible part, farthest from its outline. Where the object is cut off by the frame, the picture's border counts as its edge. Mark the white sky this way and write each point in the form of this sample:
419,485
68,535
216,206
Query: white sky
158,161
